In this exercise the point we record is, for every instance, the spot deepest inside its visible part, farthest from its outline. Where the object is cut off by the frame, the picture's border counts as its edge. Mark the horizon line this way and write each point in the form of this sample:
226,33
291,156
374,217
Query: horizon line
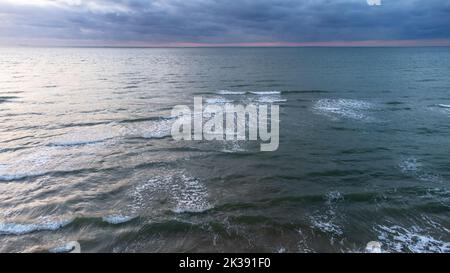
140,44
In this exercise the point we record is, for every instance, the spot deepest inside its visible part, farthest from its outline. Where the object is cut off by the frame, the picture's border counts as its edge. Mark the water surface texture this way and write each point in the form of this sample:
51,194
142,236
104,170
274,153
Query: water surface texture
86,153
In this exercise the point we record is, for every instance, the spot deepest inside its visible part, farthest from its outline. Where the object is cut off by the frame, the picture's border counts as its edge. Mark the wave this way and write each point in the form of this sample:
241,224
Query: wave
441,108
218,100
412,167
190,195
443,105
260,93
117,219
326,225
86,136
17,228
343,108
131,87
262,97
265,92
70,247
400,239
7,98
137,120
185,194
234,147
306,91
45,160
33,173
156,129
229,92
77,124
31,165
63,143
326,222
13,177
271,99
333,197
22,228
394,103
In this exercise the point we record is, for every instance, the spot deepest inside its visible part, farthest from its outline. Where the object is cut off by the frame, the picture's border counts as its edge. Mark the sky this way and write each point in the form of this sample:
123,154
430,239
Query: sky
224,22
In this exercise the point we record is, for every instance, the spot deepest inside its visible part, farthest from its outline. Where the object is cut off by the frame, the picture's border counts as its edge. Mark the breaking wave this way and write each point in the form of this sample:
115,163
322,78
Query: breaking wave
343,108
22,228
229,92
414,239
184,193
117,219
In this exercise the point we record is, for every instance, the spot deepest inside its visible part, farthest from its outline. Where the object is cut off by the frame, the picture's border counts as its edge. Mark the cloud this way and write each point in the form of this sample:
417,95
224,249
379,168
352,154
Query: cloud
221,21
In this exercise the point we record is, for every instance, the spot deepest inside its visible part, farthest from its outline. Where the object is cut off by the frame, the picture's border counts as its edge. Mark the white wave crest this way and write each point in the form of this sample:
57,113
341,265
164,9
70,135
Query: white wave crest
265,92
22,228
218,100
117,219
443,105
229,92
271,99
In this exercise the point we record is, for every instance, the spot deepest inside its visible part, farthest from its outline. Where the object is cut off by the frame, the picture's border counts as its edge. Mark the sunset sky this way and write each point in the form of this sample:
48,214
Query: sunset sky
224,22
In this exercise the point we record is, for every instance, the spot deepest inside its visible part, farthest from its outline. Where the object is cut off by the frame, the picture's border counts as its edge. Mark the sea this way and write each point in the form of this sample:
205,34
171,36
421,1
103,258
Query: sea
87,155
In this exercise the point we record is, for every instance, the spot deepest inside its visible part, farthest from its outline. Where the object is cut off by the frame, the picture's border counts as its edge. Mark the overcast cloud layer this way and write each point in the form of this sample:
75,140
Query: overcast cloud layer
191,22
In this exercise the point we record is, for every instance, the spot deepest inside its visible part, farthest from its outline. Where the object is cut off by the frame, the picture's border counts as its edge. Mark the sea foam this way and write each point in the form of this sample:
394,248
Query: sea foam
343,108
229,92
400,239
183,193
265,92
151,129
218,100
22,228
117,219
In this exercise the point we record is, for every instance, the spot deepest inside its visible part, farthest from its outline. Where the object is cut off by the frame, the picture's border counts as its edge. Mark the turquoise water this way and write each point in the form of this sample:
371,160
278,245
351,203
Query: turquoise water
86,153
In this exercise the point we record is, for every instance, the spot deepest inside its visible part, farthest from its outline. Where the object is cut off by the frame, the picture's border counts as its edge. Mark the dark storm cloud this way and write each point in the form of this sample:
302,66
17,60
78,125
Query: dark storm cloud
224,21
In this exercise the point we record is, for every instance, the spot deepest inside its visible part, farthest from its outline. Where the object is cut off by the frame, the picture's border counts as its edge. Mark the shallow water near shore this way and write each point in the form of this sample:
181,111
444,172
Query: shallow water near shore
86,153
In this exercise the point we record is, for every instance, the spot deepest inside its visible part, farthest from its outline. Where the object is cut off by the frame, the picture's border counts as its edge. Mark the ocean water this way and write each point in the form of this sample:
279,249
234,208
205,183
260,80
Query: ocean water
86,153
